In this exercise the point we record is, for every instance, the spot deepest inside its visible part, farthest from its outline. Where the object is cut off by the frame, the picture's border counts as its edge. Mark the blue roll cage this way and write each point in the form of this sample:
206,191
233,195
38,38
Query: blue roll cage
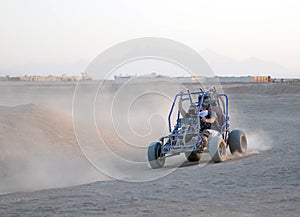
188,96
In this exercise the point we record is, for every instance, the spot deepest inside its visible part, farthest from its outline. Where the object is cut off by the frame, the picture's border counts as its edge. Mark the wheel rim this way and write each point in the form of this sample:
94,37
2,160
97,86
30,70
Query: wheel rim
222,150
243,143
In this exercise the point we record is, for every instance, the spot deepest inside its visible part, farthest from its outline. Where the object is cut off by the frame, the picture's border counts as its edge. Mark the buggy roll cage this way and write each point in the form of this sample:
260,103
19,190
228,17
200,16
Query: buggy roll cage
201,94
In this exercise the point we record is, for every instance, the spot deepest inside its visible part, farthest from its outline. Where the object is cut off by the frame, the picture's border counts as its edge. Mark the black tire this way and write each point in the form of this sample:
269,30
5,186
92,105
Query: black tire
237,141
154,155
217,149
193,156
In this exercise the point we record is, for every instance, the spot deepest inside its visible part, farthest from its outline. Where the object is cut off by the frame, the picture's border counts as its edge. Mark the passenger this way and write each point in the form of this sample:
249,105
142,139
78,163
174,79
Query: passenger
192,111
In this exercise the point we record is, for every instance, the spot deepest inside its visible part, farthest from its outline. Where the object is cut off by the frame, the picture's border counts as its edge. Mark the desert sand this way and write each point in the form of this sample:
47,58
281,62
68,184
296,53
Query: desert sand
44,170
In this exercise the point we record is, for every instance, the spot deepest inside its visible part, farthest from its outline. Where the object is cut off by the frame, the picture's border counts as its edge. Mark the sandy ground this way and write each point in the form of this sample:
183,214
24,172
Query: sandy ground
44,173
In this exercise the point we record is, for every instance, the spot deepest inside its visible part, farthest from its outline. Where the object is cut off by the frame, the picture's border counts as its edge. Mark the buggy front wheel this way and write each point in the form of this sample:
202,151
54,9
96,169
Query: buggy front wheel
155,155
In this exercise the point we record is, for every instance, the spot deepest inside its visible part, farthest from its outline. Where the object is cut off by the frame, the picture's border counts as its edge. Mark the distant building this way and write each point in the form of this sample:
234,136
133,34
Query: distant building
13,78
262,79
4,78
64,77
137,78
196,79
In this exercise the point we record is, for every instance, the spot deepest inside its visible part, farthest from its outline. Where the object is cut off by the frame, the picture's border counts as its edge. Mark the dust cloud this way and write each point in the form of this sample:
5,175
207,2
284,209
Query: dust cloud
40,148
123,120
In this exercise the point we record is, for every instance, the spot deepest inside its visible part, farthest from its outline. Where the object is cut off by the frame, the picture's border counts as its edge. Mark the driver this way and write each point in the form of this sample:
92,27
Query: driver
211,119
211,126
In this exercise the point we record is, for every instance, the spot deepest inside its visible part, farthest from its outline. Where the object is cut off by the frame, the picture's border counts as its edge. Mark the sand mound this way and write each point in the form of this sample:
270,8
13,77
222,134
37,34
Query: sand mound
39,150
31,125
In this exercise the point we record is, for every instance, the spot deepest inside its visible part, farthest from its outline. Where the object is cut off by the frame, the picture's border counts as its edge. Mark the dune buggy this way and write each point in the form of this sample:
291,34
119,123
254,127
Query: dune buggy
187,135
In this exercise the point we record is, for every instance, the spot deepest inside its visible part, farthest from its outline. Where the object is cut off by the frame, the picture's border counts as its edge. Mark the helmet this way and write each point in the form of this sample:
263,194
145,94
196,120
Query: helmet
207,101
206,104
210,99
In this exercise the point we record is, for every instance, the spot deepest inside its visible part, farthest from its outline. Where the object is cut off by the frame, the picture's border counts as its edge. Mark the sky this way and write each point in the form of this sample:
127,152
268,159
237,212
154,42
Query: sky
66,32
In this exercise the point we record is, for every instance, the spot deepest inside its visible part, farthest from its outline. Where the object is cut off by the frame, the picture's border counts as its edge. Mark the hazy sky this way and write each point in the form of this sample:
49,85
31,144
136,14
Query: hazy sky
59,31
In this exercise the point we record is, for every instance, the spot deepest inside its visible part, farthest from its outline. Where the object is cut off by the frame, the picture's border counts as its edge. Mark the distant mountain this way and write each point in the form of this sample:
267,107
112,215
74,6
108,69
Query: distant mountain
221,65
225,66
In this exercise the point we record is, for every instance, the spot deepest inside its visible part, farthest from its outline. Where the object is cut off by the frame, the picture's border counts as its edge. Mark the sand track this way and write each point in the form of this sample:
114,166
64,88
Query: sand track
39,150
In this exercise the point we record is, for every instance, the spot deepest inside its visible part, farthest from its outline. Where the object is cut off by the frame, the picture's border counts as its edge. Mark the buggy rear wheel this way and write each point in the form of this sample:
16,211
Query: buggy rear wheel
193,156
237,141
155,155
217,149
